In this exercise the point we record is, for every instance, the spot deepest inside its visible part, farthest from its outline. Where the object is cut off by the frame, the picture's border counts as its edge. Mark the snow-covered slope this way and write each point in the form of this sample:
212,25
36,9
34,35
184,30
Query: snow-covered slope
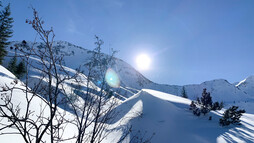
18,100
131,81
168,117
38,110
154,116
247,85
220,89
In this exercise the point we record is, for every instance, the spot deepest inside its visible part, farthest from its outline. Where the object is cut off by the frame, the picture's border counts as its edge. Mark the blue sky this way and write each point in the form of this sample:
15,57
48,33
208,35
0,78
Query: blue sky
189,41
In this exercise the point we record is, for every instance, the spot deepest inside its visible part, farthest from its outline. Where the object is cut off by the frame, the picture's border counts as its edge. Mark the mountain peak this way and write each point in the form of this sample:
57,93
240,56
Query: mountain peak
249,79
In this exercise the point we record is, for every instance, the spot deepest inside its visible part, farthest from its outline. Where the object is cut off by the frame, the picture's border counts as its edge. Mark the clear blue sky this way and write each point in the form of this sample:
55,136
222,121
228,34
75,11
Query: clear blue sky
190,41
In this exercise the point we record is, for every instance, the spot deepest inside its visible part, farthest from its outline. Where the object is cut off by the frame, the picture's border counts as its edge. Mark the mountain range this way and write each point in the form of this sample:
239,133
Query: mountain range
155,111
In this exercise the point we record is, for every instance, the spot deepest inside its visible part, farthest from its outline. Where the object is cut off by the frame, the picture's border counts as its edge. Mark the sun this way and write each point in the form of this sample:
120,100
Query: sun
143,61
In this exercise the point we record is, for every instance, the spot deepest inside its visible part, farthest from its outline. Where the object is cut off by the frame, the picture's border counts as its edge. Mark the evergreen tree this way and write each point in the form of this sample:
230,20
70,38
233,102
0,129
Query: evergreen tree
221,105
231,116
206,99
216,106
24,42
12,67
198,100
5,30
195,110
20,69
204,110
184,94
192,106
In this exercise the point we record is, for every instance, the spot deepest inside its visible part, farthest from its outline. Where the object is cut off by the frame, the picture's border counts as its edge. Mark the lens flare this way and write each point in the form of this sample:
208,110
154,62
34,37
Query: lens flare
112,78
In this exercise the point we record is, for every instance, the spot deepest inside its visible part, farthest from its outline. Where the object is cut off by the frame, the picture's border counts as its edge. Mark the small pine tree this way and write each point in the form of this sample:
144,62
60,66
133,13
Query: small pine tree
5,30
231,116
206,99
192,106
12,65
221,105
184,94
204,110
24,42
20,70
198,100
216,106
196,111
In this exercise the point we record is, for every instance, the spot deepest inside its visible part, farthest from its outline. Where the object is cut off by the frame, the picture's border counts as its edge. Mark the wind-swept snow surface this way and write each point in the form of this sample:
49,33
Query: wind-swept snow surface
166,118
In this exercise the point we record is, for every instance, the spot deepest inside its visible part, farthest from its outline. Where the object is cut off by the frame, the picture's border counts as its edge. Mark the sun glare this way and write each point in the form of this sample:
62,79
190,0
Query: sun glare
143,62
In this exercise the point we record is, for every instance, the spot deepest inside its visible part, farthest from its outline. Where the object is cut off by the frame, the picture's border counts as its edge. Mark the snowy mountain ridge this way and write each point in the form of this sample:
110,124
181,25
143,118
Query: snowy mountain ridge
247,85
155,115
131,81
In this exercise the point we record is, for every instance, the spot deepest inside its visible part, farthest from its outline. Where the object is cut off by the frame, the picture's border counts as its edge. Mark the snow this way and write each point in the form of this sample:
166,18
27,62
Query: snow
164,117
19,100
168,117
247,85
152,109
220,89
131,81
